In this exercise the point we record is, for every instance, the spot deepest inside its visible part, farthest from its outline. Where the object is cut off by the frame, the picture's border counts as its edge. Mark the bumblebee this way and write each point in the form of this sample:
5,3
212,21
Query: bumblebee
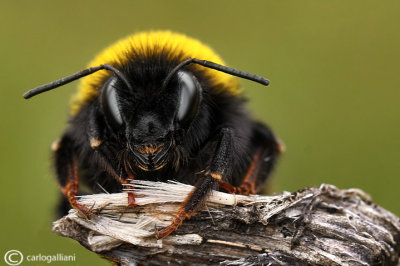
160,106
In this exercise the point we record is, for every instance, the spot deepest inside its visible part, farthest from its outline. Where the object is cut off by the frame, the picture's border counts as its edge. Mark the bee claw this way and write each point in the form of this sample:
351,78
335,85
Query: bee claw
156,232
88,213
159,234
204,171
131,199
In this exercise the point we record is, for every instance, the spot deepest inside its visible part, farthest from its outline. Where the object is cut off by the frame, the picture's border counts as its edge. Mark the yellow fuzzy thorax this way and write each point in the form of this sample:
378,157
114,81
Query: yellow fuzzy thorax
179,46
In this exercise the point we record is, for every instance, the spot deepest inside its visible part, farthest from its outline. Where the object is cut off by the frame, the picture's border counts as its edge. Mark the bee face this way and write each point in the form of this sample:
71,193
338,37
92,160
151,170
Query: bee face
152,119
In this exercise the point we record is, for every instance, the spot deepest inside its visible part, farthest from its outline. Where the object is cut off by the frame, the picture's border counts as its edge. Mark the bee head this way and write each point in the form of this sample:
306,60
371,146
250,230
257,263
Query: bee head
151,116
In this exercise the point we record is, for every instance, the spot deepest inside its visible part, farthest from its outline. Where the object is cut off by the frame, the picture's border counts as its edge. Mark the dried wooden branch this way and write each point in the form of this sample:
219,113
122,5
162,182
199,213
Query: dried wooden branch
324,226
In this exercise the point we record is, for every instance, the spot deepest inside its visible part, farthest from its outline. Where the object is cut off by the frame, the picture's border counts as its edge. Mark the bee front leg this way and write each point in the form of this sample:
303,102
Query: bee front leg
106,157
111,165
67,173
209,181
131,194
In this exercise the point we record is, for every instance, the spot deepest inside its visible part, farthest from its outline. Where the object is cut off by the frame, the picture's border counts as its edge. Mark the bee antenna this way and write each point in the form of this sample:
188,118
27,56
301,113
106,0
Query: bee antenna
75,76
232,71
212,65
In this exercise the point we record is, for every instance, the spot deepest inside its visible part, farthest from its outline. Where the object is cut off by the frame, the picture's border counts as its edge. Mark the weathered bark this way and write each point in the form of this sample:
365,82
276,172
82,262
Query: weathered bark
315,226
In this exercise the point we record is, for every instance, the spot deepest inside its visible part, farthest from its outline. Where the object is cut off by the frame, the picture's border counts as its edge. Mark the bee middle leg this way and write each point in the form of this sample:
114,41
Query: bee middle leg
266,150
67,173
248,185
208,181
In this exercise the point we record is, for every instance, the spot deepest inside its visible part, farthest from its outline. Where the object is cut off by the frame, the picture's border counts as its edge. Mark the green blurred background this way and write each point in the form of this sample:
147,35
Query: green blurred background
333,98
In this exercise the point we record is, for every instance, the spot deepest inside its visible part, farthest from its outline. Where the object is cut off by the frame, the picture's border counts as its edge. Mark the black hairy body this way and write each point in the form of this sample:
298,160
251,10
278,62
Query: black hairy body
158,118
193,152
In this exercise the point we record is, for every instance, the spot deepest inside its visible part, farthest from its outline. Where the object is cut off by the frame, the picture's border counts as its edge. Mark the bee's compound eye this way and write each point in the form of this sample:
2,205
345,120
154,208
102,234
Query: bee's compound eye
110,103
189,98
